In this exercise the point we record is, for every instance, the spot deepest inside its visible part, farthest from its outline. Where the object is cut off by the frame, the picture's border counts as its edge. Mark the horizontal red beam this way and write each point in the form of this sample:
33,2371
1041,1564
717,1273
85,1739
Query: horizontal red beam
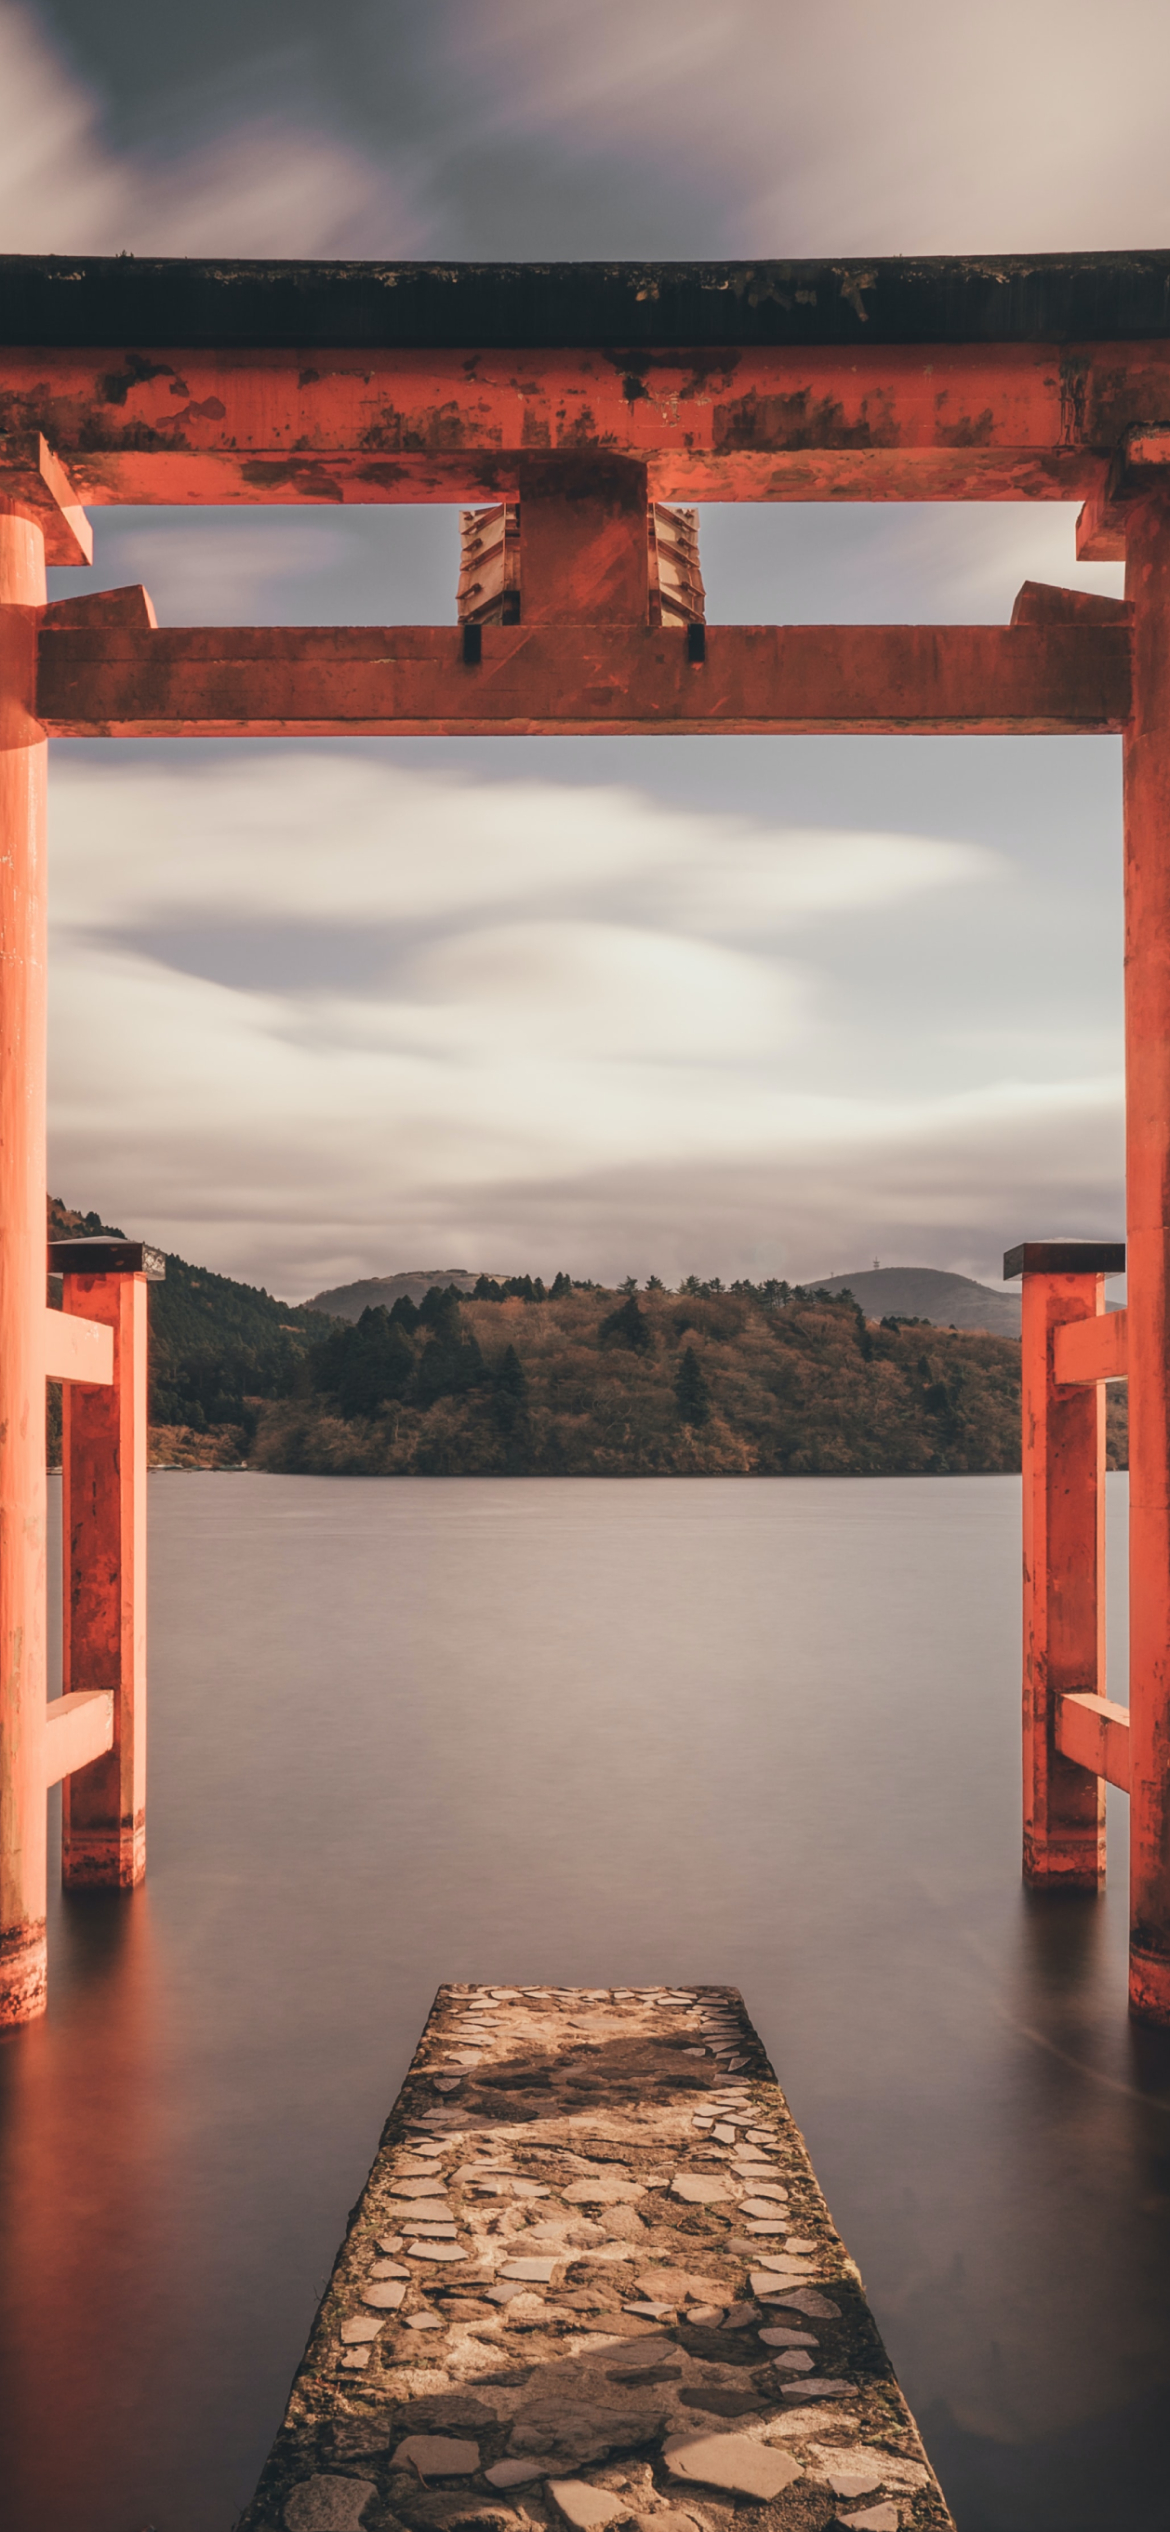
1095,1734
370,681
869,422
79,1729
1091,1349
78,1349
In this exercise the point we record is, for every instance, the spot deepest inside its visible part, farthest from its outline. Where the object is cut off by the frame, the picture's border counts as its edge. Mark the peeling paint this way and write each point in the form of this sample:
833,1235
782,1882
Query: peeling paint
117,384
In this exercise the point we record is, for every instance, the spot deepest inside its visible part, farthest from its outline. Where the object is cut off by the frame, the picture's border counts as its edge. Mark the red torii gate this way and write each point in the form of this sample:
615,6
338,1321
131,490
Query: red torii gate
585,393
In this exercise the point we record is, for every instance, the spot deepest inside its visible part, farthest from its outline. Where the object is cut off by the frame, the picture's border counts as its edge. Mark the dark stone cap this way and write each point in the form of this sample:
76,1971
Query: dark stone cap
130,304
107,1256
1065,1257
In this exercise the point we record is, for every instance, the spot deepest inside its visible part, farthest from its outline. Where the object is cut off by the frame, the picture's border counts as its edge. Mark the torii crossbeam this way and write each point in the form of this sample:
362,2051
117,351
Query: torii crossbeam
583,398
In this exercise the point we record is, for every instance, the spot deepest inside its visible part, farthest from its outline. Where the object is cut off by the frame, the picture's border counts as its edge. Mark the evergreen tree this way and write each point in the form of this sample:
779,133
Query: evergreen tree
628,1326
691,1391
366,1365
439,1304
450,1364
511,1388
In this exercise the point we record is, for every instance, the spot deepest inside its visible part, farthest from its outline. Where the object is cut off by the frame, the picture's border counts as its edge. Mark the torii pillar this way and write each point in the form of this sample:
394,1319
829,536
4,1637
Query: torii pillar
1147,1060
37,506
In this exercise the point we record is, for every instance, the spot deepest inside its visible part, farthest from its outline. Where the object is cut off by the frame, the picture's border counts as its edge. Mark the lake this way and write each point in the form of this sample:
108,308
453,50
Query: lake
763,1731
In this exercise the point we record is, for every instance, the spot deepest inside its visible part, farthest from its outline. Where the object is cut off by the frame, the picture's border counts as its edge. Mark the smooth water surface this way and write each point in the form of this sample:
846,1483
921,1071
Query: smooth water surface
763,1731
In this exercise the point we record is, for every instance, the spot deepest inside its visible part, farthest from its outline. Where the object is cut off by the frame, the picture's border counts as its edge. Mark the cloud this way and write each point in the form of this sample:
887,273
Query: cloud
231,1127
600,991
311,836
574,1013
851,129
580,127
259,186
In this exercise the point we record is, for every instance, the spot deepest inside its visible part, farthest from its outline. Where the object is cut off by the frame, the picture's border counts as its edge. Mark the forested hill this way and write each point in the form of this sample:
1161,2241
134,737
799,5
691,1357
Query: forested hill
583,1382
515,1379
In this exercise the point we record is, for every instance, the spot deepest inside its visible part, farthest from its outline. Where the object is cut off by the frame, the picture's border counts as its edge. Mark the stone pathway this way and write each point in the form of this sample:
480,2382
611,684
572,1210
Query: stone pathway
592,2281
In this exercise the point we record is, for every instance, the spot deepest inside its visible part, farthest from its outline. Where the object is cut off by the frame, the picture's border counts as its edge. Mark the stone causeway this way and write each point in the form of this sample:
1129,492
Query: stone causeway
592,2280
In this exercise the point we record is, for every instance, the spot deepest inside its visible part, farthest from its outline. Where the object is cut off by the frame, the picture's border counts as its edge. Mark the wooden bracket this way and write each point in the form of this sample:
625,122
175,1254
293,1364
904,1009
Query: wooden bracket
1039,602
78,1349
99,607
32,477
1094,1733
1091,1349
1141,465
79,1728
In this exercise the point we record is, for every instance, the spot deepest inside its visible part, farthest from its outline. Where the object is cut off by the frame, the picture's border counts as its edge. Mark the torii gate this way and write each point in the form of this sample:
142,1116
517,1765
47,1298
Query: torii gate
586,394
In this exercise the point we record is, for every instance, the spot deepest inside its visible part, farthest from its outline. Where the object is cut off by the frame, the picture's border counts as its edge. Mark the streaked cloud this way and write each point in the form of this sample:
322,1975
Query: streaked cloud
551,989
256,186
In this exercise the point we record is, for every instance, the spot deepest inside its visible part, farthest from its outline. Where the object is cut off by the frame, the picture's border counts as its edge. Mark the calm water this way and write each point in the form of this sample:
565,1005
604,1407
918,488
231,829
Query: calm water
594,1731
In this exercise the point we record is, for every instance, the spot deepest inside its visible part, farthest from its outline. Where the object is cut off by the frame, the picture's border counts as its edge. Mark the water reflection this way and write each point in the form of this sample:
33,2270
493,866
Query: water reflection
761,1732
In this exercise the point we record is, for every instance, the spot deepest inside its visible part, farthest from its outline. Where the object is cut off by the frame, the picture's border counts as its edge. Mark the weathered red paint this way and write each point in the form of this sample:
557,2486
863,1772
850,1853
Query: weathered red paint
32,476
962,422
406,680
103,1521
584,556
1147,1057
23,756
1095,1734
1092,1349
1064,1586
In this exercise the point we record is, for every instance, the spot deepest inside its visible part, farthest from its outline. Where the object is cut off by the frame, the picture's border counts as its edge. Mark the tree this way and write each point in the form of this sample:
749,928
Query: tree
511,1388
627,1326
367,1364
691,1391
449,1365
439,1303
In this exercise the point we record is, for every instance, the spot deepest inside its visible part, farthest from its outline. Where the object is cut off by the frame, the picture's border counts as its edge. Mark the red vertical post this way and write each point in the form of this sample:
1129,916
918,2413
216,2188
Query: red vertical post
1064,1564
584,546
23,756
1147,1060
103,1521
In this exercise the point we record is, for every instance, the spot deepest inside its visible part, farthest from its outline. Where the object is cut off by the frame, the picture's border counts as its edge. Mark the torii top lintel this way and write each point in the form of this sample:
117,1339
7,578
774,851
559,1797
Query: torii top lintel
168,380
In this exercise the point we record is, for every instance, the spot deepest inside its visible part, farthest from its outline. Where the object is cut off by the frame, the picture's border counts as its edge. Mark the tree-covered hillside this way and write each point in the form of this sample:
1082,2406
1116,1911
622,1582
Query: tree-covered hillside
520,1379
579,1381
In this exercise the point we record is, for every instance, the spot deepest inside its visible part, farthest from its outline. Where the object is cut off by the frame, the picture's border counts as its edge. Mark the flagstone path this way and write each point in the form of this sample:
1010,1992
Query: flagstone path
592,2281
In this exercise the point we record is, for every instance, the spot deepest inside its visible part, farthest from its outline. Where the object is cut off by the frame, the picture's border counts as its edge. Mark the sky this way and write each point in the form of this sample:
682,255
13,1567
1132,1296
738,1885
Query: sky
713,1006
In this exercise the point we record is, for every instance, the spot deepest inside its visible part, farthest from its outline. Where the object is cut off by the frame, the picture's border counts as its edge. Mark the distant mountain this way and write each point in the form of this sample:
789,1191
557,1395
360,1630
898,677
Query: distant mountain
347,1301
925,1292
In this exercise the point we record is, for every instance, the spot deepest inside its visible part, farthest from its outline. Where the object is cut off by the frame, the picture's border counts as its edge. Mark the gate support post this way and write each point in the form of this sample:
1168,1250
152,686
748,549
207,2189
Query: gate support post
103,1524
1064,1563
23,757
1147,1060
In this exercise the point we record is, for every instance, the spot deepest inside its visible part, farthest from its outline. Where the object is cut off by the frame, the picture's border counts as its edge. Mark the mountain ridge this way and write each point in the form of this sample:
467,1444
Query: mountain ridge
371,1292
933,1293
